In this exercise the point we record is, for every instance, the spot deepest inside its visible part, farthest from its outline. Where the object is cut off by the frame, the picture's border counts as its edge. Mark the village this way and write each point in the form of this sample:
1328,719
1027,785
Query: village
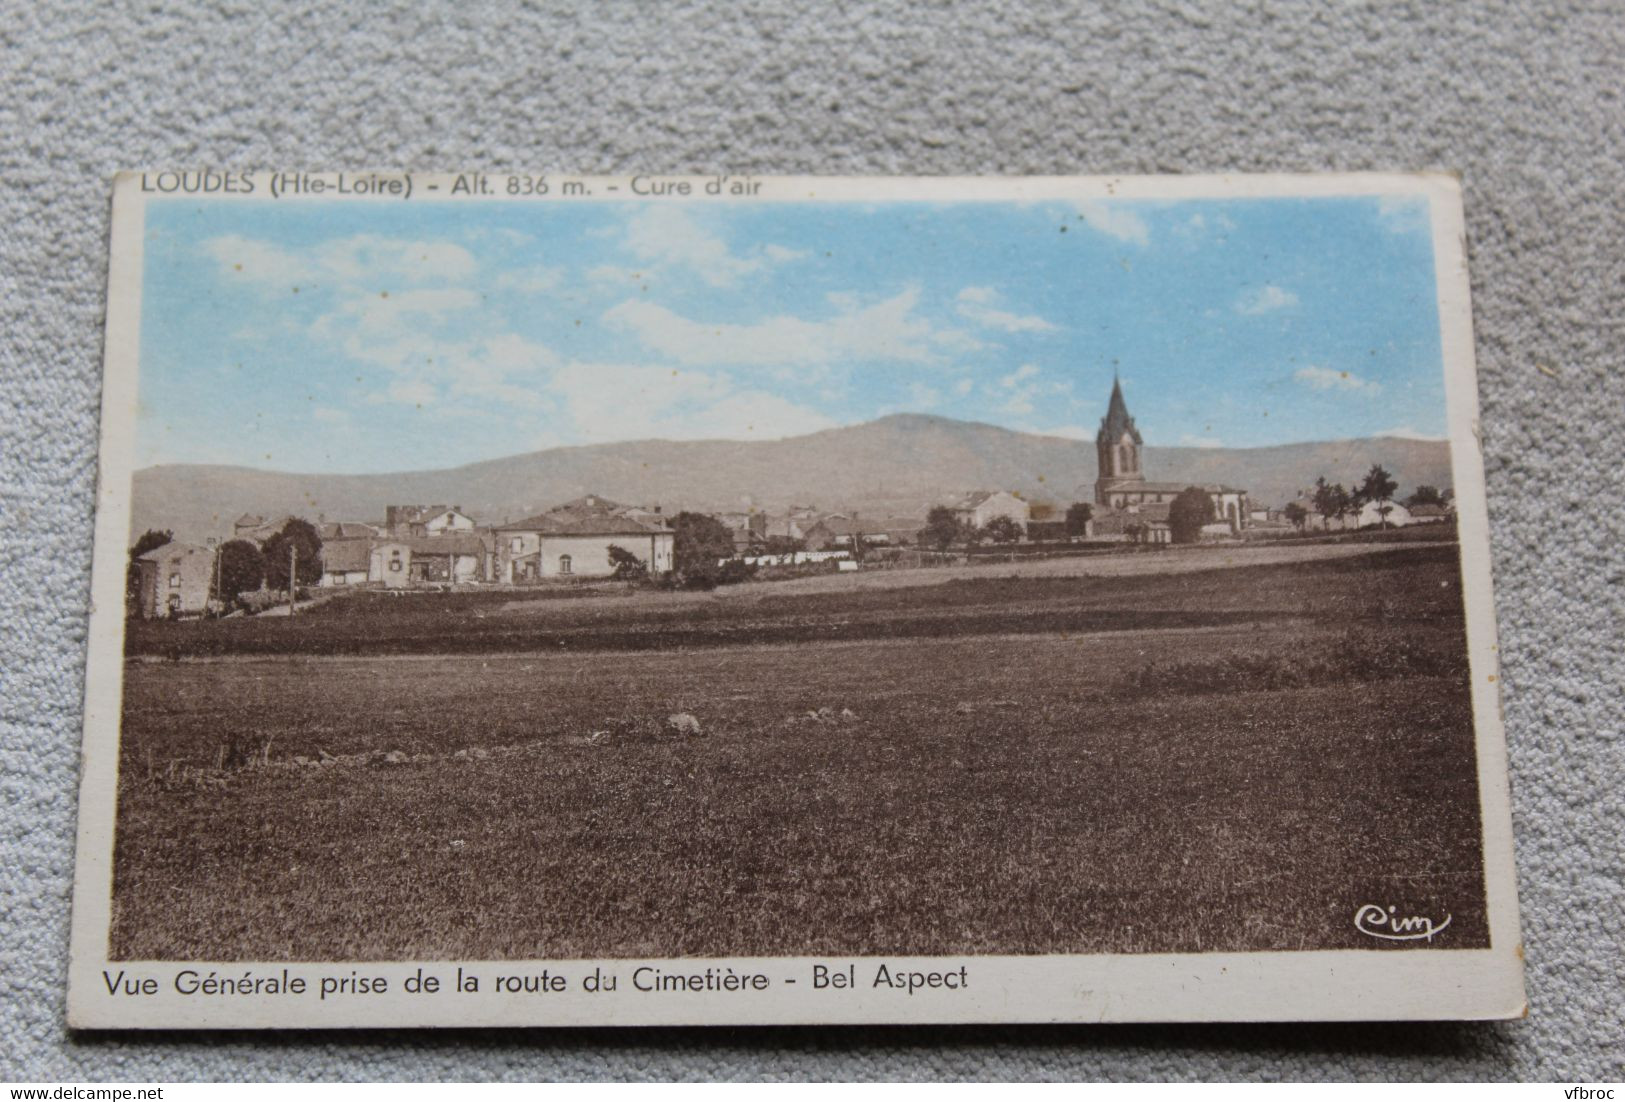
415,547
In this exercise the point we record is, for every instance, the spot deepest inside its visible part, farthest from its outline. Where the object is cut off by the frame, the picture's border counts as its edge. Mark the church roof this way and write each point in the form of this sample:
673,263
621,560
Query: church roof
1117,421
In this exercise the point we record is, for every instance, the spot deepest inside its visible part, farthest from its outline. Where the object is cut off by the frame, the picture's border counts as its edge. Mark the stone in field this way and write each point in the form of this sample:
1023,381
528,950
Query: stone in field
682,723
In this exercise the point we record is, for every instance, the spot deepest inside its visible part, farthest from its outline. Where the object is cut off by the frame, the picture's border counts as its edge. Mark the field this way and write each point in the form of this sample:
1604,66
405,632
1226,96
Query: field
1197,759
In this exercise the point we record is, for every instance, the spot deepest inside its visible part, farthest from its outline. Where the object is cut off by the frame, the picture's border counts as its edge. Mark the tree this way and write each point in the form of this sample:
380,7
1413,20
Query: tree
1424,495
1002,530
1331,500
1078,516
700,542
1296,515
1378,488
942,528
626,565
299,536
784,546
150,540
241,568
1188,512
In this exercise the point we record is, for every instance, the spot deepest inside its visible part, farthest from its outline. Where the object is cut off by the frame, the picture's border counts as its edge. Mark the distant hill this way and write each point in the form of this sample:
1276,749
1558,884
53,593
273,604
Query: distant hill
897,465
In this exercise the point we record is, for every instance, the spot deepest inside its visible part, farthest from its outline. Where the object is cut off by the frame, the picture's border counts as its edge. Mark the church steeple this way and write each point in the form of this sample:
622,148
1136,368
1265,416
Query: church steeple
1117,445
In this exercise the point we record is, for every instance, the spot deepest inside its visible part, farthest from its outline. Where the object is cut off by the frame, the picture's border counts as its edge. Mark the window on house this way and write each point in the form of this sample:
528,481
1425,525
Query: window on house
564,564
517,545
395,562
174,581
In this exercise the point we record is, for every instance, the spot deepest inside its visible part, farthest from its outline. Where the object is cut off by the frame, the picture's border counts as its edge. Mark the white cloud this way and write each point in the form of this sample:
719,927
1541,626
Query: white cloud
1326,378
1025,371
924,397
669,236
1116,220
360,260
964,387
1403,214
409,392
615,273
1017,390
888,331
1266,299
259,261
1190,441
532,280
607,402
976,303
330,416
383,313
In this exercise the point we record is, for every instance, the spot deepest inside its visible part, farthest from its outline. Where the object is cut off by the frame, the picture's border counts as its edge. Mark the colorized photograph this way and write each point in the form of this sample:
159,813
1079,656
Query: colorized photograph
658,578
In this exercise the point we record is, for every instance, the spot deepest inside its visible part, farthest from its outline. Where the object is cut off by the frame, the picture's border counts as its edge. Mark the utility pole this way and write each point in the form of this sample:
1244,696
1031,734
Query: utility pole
216,595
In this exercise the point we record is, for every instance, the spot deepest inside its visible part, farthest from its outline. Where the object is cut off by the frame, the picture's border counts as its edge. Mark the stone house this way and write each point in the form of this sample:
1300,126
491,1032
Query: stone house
174,580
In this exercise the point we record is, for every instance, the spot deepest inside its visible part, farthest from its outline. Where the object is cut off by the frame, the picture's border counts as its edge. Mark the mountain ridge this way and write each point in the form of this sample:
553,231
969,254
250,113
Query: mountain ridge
901,463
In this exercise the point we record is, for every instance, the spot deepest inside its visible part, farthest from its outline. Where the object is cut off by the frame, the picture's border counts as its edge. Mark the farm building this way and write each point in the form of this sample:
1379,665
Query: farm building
979,508
794,524
1121,483
1137,524
396,563
173,580
573,540
831,531
345,561
749,529
426,520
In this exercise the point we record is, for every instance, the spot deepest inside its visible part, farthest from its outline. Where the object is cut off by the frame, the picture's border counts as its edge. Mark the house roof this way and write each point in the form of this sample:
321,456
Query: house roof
248,520
346,555
590,515
587,503
575,524
173,547
839,524
978,497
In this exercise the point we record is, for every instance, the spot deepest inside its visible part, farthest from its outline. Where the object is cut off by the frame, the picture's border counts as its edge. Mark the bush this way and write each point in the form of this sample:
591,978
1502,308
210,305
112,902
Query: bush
627,566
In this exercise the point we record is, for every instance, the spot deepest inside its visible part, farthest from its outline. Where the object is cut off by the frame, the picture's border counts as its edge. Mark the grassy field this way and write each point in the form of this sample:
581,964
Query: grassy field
1034,764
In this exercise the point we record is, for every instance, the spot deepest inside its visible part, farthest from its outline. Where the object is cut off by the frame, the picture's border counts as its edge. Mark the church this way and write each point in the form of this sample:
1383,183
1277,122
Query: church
1125,499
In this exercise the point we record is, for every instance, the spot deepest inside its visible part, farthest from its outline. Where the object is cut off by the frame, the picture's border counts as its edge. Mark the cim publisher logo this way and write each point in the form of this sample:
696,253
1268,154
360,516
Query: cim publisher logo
1387,923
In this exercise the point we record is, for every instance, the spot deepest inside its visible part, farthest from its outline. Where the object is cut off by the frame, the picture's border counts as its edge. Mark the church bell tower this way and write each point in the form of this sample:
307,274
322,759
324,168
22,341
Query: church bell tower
1117,446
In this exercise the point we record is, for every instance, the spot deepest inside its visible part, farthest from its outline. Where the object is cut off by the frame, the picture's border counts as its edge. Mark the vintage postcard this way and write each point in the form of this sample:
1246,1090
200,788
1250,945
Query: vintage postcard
531,599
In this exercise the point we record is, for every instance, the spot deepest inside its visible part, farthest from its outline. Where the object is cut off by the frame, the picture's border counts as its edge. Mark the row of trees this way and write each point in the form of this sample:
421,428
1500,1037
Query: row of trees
1333,502
944,530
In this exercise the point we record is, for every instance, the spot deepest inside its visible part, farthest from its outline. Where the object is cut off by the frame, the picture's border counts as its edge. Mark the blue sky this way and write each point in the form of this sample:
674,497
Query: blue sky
359,337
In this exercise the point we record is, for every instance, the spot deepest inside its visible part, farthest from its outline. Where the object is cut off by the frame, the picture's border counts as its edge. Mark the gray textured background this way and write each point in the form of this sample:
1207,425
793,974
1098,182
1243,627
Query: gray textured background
1523,100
